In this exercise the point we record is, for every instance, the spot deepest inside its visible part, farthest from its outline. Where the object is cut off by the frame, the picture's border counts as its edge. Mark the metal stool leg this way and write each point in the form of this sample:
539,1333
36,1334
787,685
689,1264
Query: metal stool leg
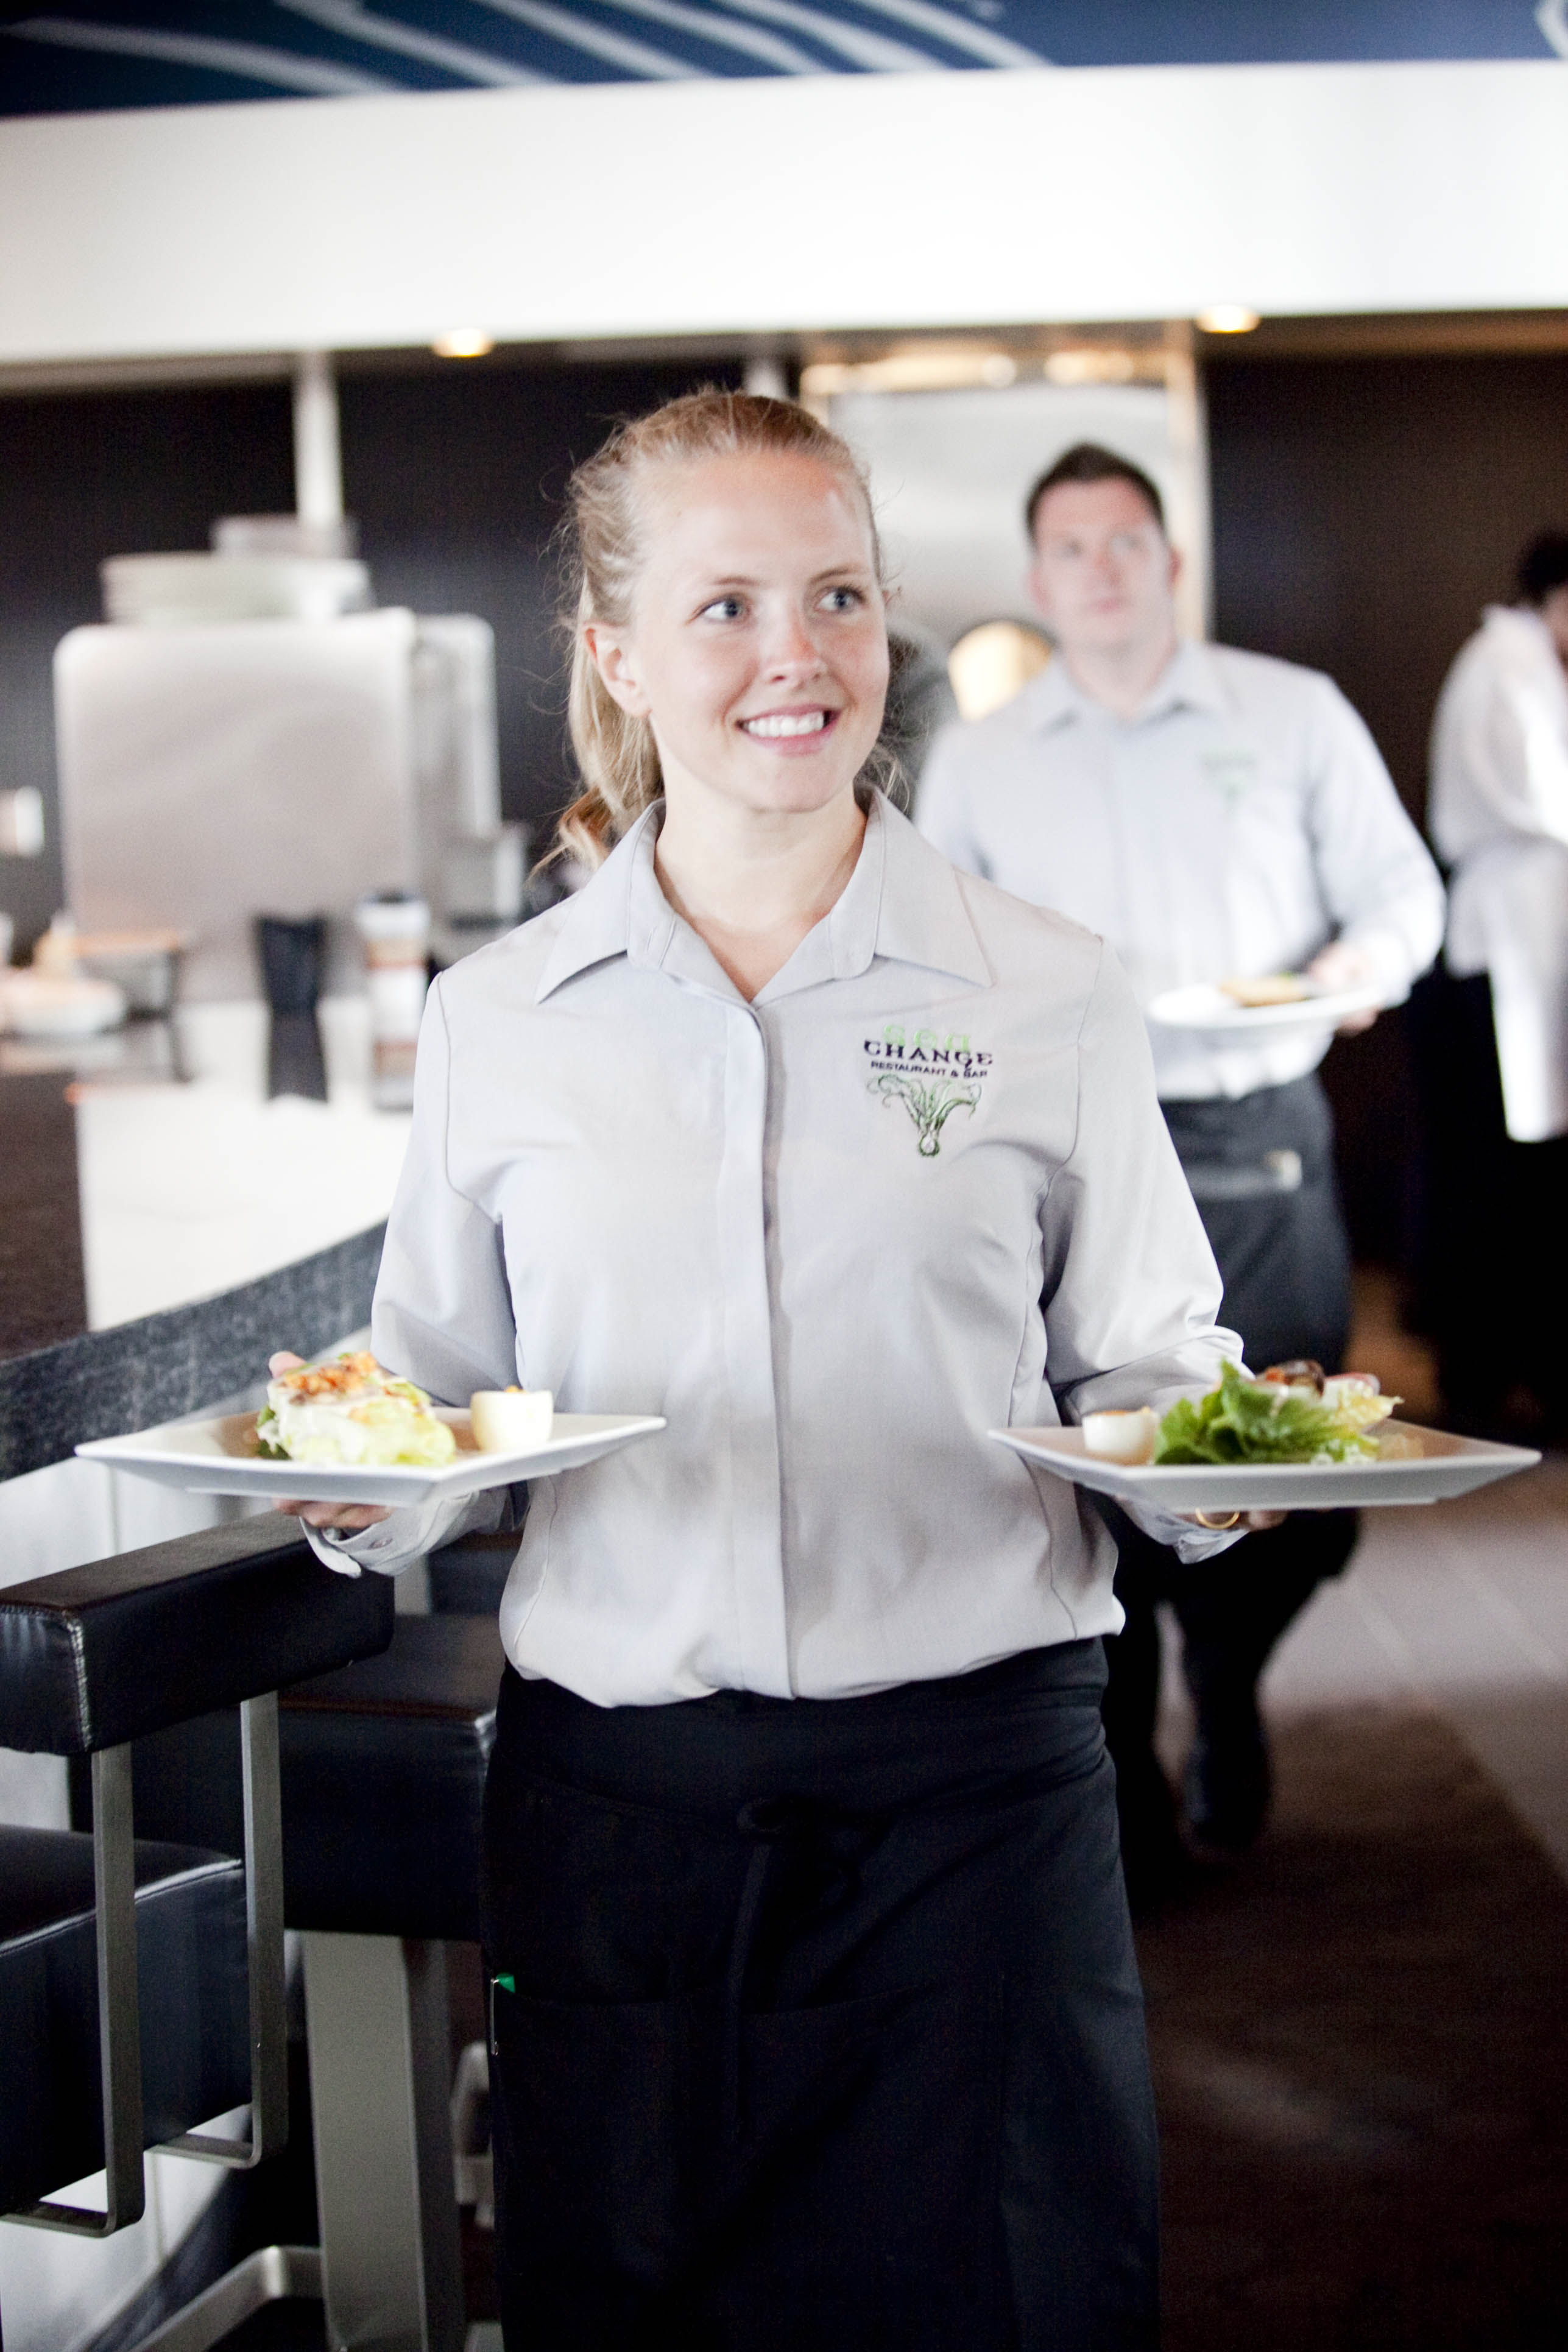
380,2068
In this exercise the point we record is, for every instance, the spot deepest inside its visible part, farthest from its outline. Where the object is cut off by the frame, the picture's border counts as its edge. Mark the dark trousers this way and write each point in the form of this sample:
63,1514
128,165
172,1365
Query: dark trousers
1285,1263
824,2030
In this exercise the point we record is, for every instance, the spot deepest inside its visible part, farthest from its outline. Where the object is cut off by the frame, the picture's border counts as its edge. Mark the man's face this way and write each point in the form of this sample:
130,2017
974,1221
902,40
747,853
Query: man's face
1103,569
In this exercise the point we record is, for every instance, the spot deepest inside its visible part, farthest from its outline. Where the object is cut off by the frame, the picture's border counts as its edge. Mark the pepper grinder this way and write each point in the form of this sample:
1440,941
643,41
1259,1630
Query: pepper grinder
291,954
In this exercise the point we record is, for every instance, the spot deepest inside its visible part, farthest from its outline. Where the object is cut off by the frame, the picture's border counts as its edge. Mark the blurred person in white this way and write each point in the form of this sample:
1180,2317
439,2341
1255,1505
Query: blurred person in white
817,2019
1214,815
1496,1086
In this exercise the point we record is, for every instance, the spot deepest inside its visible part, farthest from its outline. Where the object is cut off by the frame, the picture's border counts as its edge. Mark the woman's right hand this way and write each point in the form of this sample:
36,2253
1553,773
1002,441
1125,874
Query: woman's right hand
350,1518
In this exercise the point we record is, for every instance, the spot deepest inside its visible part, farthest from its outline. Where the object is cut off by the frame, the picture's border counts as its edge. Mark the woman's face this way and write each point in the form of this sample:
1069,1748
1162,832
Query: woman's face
757,647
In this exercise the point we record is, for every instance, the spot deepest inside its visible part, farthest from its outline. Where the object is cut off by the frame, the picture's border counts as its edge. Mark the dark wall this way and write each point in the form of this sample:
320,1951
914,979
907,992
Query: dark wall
1364,511
455,476
83,475
456,479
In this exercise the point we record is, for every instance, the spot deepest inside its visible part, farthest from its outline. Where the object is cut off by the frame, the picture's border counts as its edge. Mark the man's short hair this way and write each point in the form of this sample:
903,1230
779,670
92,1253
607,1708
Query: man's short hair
1543,566
1086,461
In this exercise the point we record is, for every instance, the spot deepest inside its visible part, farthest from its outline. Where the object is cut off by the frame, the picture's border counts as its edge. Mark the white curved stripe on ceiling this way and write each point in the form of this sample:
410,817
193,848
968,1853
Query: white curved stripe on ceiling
358,23
870,52
722,32
284,68
594,40
945,24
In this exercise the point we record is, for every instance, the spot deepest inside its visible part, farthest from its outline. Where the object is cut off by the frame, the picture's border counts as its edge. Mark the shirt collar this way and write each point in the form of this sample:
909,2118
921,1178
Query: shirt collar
1188,682
903,901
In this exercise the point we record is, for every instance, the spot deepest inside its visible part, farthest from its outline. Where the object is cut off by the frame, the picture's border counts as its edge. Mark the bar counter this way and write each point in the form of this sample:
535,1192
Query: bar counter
147,1169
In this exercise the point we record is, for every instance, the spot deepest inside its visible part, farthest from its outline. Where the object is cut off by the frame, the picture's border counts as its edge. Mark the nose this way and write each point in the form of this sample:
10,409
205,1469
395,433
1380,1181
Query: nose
790,650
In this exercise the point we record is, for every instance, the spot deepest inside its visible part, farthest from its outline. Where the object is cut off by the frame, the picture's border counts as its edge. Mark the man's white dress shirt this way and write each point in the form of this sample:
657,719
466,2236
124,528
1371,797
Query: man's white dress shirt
1499,815
1241,820
919,1189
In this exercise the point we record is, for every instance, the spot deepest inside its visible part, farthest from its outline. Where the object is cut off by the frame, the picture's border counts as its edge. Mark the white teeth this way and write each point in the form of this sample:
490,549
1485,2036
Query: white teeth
805,722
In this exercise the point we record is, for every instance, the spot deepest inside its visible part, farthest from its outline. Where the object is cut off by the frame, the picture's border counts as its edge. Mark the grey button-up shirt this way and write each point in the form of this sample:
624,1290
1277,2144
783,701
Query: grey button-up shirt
1241,820
917,1190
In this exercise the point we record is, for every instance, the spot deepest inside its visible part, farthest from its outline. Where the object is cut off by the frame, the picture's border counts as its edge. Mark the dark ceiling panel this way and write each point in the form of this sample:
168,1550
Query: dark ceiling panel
87,55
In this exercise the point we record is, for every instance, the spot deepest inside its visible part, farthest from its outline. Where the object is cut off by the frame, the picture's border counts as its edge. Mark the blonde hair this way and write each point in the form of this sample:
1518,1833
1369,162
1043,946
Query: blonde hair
616,756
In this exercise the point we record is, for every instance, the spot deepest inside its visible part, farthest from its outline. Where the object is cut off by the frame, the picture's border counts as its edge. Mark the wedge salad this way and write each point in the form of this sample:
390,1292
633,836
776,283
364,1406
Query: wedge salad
354,1413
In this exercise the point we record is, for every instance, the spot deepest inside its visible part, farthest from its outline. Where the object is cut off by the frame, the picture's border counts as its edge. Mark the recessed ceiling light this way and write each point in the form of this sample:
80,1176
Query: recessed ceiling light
1228,318
463,343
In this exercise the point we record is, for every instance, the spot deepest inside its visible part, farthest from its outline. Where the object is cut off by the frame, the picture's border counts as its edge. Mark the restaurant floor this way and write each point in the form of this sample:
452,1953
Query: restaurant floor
1361,2034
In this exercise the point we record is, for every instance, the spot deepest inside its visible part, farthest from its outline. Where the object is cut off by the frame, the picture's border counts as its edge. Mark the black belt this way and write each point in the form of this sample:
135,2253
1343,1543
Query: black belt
1212,1180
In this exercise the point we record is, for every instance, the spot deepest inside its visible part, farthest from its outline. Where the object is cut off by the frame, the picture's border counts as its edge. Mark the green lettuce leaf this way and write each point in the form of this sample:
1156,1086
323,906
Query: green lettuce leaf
1253,1421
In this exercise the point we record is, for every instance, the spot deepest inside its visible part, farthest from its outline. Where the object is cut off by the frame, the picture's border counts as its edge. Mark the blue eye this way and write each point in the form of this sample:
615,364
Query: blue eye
844,600
722,608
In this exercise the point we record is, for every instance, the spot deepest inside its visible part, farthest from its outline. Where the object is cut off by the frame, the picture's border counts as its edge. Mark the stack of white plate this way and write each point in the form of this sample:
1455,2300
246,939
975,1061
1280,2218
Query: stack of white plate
177,591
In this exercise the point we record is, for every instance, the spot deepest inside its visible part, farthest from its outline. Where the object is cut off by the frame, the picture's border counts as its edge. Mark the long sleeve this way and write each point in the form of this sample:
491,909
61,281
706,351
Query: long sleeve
1378,880
1130,1287
443,1311
442,1315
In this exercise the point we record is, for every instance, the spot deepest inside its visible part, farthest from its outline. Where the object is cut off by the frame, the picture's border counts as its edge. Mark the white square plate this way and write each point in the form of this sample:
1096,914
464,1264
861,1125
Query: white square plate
210,1456
1423,1466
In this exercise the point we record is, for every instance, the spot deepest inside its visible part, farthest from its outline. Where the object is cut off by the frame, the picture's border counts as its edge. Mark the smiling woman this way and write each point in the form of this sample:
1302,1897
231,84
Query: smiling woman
815,2022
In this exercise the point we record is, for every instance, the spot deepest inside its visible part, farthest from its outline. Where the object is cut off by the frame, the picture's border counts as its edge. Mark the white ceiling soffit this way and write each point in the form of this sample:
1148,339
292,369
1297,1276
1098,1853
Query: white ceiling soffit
903,200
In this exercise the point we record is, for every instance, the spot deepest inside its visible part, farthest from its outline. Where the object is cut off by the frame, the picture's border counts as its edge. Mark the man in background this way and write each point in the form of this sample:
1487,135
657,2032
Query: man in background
1493,1037
1215,816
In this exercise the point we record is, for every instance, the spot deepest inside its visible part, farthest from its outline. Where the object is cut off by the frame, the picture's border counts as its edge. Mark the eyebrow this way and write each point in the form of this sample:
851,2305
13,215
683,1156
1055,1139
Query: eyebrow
829,572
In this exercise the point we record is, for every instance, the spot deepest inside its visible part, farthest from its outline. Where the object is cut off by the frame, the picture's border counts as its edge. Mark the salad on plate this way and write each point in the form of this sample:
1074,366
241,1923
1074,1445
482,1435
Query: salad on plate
351,1413
1292,1412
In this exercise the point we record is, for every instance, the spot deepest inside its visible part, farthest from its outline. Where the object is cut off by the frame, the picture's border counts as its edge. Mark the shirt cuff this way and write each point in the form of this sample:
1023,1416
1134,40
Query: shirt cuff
393,1544
396,1542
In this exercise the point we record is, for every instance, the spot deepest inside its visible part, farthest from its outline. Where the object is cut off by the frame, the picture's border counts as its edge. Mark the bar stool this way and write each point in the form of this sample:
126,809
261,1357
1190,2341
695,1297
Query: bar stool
156,1969
383,1771
384,1775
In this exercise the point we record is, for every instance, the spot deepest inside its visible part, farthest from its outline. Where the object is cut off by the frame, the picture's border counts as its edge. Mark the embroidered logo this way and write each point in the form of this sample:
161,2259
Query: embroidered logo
931,1076
1231,771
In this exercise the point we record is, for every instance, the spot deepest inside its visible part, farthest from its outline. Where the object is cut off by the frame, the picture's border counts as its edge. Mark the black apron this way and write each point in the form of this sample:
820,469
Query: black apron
820,2028
1262,1172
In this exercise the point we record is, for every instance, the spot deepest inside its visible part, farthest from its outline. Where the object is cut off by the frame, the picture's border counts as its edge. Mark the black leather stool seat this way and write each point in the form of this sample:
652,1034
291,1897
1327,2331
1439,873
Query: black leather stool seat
191,1971
383,1774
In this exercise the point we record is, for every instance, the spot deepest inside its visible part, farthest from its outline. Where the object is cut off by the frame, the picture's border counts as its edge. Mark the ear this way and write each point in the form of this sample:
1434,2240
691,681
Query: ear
614,656
1040,592
1175,571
